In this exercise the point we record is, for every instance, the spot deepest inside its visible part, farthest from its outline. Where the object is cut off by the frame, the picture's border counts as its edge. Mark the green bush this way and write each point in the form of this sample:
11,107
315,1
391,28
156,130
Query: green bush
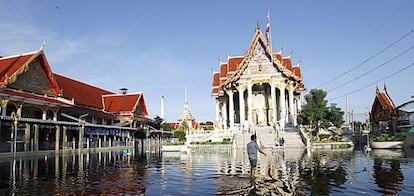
388,138
324,136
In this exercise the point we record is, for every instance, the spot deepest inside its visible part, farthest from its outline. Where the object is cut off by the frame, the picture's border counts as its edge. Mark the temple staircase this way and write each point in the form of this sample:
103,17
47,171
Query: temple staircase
266,136
240,140
292,138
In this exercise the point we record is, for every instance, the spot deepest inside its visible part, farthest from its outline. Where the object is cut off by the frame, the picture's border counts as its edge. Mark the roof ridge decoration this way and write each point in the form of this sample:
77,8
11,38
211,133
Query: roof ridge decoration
381,95
258,38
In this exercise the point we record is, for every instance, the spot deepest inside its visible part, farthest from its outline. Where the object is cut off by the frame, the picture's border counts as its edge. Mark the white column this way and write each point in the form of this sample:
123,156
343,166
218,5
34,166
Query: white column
295,111
19,110
44,112
225,114
218,117
282,105
36,138
273,98
231,108
249,103
54,116
65,138
4,107
57,138
290,90
241,106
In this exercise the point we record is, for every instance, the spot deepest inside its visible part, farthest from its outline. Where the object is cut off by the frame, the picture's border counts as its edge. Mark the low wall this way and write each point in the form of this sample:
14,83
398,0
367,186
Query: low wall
332,145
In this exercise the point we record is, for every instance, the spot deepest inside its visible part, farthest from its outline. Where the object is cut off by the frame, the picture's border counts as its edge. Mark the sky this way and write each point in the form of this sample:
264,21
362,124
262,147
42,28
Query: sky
160,48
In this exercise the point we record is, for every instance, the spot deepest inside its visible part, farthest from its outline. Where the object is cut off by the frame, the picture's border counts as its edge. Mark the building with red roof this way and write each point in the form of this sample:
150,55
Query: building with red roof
384,114
260,88
55,112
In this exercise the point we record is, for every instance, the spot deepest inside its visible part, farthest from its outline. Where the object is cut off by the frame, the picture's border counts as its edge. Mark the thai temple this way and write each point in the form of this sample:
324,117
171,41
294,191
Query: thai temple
260,88
384,113
45,111
186,119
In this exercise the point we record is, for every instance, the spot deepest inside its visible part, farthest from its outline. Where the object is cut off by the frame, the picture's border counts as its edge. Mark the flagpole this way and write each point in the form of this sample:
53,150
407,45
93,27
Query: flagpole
269,30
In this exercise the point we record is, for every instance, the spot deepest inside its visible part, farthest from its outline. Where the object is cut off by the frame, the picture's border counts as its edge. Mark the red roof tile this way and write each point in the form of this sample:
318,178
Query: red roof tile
83,94
296,71
216,79
287,63
10,65
124,103
234,63
278,56
223,70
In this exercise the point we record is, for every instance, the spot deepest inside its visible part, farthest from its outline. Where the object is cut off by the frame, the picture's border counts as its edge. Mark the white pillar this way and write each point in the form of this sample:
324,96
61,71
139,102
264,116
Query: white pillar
19,110
4,107
241,106
218,117
54,116
225,114
36,138
162,107
231,109
65,138
249,103
44,112
290,91
282,104
273,98
57,138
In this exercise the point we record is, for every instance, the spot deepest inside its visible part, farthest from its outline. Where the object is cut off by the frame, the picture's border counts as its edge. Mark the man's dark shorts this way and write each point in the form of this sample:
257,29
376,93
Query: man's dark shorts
253,163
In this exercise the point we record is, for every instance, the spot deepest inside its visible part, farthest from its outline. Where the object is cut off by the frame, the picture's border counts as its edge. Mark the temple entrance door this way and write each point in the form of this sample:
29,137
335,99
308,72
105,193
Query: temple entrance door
260,104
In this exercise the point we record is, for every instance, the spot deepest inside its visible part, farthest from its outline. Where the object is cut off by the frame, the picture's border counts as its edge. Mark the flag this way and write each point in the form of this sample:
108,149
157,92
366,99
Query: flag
268,28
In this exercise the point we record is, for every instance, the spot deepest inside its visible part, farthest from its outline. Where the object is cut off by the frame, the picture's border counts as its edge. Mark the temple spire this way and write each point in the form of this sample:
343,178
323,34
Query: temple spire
185,95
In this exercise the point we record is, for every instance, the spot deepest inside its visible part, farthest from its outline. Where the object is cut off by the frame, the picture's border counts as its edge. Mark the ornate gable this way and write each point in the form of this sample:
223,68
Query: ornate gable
34,79
259,62
29,72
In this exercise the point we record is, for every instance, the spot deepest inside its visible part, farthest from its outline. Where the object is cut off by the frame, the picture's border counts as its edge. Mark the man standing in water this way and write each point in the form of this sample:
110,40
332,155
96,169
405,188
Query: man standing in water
252,149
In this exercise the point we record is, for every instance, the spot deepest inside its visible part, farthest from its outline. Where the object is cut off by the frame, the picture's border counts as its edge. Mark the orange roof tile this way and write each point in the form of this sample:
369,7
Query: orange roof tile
83,94
124,103
223,70
216,79
287,63
296,71
384,100
234,63
12,66
278,56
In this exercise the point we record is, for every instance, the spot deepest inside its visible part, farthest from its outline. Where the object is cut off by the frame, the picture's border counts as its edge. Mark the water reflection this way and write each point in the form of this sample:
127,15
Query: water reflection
210,171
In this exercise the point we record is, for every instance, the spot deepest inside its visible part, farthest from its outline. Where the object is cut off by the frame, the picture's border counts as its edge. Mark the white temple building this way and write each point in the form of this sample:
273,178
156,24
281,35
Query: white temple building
258,89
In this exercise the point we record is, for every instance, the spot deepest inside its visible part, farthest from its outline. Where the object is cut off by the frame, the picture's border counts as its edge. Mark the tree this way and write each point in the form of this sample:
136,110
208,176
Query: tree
180,134
315,109
166,127
335,115
158,121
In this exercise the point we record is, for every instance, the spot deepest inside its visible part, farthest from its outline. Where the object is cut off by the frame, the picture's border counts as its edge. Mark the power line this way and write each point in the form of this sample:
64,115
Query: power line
370,58
384,78
372,70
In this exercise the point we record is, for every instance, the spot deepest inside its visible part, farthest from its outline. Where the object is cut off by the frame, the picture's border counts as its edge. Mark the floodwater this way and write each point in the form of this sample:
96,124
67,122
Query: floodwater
211,171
